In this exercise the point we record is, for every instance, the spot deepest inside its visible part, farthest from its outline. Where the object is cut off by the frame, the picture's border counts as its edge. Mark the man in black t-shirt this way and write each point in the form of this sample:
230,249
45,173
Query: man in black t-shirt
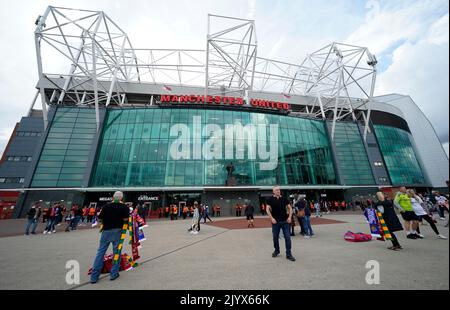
280,213
113,216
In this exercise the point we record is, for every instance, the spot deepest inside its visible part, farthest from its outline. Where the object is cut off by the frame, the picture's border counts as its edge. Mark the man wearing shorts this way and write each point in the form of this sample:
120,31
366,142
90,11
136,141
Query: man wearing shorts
403,202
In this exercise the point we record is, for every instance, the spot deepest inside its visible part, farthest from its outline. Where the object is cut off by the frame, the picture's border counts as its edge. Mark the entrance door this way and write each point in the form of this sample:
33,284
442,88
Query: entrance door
227,200
153,209
228,206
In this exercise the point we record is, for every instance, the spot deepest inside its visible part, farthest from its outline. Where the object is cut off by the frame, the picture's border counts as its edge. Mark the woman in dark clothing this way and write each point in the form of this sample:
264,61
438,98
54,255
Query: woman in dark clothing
249,210
386,207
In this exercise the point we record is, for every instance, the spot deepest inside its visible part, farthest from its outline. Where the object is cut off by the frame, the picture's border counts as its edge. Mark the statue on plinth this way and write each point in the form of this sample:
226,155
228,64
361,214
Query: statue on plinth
231,180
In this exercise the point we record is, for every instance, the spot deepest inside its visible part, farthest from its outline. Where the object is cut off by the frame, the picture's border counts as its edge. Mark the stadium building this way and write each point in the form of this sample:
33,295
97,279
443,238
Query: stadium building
220,125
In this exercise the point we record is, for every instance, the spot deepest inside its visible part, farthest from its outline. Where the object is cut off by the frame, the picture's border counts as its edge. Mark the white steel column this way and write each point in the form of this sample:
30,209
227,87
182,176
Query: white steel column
94,72
116,69
72,69
33,102
372,90
333,127
207,57
41,89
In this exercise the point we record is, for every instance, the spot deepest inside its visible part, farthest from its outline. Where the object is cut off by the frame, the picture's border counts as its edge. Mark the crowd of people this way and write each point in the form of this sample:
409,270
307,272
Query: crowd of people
172,211
423,206
414,209
57,214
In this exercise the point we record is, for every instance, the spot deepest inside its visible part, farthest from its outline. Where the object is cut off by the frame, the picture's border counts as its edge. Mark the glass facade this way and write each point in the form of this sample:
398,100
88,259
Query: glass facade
66,151
351,155
192,147
397,148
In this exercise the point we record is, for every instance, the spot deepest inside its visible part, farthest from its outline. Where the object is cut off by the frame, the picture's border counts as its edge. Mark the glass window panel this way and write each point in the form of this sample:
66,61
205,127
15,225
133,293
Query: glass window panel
146,131
76,158
67,183
45,170
72,170
74,164
165,116
155,131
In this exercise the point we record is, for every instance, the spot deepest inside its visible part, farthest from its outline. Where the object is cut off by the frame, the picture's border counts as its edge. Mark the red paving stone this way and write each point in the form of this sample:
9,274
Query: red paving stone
264,223
16,227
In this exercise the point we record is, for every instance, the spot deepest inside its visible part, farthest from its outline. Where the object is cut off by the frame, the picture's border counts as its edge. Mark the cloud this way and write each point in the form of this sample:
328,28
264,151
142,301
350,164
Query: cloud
251,9
395,22
421,71
413,38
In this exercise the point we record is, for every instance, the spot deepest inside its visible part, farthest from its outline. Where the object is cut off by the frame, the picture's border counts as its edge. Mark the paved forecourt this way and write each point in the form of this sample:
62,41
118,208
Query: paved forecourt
221,258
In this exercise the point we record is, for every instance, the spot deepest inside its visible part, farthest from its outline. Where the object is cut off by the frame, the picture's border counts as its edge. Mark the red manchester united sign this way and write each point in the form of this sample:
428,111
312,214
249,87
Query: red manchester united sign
222,100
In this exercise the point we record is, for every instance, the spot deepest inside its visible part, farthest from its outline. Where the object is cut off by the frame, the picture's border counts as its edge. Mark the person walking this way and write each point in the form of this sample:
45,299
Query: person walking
70,218
306,219
249,210
78,217
417,203
195,226
442,204
113,216
206,214
403,201
33,219
51,222
300,204
386,207
280,212
317,208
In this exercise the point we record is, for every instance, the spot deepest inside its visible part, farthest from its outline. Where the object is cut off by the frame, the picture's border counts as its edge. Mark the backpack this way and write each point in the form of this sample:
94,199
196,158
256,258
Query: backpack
357,237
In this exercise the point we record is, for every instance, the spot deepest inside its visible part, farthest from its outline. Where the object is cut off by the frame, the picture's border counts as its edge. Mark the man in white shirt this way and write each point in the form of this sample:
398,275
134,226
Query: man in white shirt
442,203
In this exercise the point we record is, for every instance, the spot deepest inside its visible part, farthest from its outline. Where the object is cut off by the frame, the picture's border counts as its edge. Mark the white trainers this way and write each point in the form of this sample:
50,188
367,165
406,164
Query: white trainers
54,231
195,233
44,232
307,237
441,237
442,218
49,232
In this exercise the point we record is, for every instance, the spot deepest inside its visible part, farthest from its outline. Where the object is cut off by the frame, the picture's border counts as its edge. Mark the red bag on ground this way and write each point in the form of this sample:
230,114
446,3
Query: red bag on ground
107,263
357,237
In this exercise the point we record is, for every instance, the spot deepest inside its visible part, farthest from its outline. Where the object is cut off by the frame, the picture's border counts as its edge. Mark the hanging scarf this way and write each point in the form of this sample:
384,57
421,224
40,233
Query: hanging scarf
372,218
385,231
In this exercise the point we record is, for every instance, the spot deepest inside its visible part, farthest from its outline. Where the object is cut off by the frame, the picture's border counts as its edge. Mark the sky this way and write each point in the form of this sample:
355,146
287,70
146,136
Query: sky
410,39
